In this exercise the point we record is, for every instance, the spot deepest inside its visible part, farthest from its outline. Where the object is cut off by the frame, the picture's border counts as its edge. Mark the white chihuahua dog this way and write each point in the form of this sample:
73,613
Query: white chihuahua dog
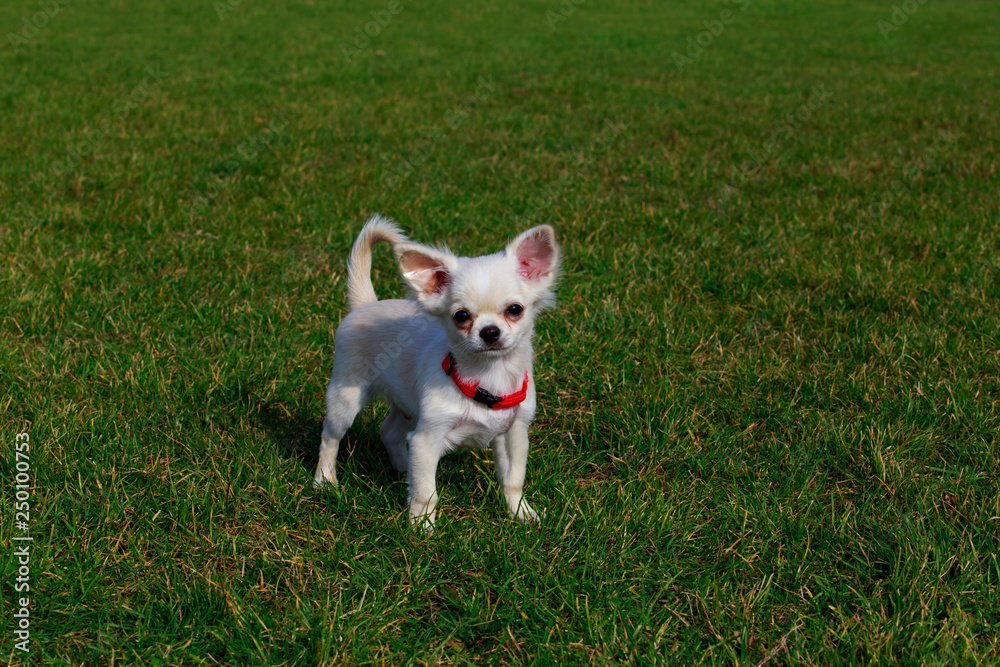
454,365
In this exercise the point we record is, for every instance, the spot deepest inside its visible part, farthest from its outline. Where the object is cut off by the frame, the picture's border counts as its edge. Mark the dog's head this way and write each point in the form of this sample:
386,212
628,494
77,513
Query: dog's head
487,304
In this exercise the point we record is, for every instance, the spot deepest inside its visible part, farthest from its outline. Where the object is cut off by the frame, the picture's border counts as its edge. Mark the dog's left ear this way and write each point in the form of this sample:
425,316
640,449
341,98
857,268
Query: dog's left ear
537,255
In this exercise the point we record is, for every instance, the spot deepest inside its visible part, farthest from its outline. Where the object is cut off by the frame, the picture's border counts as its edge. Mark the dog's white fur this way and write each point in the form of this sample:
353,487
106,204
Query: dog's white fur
394,348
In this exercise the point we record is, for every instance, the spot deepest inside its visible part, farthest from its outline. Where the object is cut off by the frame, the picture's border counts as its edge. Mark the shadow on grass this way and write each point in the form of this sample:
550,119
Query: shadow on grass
297,429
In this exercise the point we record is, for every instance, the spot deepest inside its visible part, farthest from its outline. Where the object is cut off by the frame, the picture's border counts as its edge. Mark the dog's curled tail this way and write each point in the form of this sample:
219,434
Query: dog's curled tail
359,267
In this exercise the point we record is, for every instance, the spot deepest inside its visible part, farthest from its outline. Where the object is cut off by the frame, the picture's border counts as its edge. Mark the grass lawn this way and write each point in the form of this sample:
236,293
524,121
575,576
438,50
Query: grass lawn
768,398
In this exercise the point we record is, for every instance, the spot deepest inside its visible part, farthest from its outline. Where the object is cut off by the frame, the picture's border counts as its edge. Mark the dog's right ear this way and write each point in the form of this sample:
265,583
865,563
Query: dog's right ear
428,272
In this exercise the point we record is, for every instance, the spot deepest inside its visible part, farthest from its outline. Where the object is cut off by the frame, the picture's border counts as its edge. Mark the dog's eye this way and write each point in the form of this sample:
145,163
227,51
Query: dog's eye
515,309
461,316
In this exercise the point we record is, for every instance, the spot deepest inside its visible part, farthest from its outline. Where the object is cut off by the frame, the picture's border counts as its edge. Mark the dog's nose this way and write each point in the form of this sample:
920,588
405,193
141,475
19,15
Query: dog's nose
490,334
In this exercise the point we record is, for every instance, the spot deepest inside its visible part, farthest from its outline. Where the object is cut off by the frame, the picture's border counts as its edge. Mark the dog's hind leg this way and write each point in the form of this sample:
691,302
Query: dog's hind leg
394,431
342,406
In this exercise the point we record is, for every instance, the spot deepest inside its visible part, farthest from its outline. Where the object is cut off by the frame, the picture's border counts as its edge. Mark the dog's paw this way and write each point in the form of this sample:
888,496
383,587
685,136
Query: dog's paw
424,523
525,514
322,481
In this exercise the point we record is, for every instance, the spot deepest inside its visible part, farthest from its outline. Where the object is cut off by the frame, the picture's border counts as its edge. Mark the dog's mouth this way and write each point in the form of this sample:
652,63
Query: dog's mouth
493,348
487,348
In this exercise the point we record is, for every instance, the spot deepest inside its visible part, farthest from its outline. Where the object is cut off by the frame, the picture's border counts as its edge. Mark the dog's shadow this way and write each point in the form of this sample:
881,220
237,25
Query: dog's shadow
296,430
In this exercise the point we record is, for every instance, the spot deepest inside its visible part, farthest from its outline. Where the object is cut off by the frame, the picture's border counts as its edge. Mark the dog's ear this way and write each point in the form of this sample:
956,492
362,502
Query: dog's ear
537,255
428,272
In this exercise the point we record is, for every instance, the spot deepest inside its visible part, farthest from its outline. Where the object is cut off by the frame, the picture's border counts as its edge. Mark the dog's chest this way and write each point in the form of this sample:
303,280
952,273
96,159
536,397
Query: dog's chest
478,430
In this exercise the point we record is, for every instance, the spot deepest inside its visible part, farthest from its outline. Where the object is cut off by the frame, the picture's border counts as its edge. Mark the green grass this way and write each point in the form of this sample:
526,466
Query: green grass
768,399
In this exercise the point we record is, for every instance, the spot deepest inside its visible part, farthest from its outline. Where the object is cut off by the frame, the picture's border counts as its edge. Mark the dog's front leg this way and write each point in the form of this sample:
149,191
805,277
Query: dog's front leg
425,450
510,456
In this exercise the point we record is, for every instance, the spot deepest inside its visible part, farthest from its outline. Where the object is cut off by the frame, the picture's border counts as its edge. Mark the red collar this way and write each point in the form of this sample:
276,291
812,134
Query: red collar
480,395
